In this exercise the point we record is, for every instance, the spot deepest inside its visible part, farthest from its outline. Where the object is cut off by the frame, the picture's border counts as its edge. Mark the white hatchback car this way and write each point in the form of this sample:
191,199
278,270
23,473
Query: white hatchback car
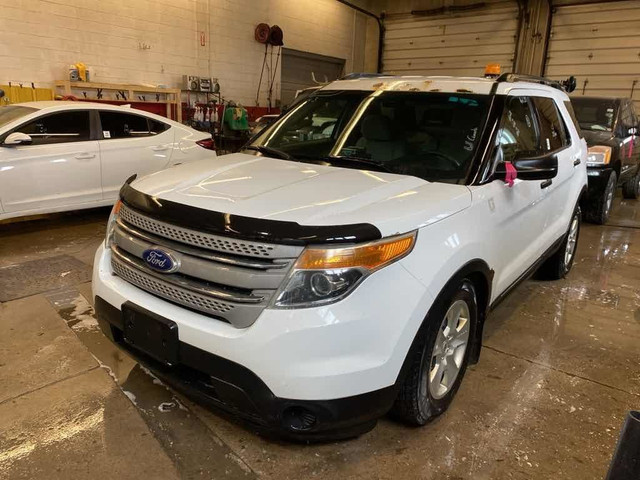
57,156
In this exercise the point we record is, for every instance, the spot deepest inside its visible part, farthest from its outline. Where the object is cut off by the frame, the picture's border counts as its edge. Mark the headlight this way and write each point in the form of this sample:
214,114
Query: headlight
111,224
598,155
326,275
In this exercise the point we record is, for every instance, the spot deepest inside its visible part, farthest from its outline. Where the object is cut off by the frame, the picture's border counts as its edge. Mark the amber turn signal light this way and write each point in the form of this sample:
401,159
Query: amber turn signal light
116,207
599,155
371,256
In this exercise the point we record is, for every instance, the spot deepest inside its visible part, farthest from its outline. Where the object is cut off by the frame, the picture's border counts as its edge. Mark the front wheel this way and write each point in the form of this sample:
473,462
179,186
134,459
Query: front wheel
439,358
560,263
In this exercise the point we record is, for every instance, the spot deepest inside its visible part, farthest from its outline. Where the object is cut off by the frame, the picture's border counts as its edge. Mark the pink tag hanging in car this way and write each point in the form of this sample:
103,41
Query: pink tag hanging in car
511,173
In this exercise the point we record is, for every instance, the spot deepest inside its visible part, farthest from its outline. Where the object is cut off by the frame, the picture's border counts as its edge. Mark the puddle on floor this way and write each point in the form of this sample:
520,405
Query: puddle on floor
38,276
194,448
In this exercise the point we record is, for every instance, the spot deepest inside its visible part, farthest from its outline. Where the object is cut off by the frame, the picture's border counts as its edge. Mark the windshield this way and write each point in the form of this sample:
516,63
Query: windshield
595,113
10,113
431,135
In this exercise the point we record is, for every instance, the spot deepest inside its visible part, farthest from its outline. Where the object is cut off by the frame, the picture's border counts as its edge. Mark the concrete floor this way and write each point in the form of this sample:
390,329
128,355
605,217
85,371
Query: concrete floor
558,372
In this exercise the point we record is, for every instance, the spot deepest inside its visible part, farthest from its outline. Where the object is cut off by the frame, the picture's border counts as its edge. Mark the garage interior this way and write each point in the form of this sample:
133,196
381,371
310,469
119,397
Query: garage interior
560,364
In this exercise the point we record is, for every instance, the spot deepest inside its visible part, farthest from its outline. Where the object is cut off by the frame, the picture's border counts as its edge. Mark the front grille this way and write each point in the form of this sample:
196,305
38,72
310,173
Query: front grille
199,239
225,278
175,294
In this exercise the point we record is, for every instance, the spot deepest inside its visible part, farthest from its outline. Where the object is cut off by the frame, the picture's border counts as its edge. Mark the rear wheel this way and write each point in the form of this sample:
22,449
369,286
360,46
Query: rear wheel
560,263
439,359
631,188
600,208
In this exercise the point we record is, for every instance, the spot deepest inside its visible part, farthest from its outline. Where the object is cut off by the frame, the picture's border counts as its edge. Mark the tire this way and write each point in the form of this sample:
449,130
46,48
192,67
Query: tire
420,400
631,188
559,264
600,207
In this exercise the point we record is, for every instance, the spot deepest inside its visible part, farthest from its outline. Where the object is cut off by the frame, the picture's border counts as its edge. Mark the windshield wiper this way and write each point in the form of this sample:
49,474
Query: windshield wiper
347,161
272,152
379,166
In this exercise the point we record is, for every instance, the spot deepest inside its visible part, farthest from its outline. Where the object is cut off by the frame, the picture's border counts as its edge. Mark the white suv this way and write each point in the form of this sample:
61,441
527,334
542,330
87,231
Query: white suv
342,265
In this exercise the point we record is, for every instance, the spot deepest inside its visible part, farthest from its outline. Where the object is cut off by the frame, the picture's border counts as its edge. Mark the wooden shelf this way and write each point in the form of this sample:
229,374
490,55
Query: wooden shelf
172,95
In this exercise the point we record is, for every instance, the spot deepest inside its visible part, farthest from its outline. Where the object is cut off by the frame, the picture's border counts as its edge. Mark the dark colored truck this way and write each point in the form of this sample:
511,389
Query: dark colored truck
611,129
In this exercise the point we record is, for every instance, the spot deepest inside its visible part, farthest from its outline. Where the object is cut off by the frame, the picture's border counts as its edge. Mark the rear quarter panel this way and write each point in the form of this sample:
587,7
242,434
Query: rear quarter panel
185,147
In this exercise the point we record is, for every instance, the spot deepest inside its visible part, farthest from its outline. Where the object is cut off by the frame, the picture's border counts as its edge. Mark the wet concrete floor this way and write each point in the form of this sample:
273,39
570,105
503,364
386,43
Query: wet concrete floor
559,370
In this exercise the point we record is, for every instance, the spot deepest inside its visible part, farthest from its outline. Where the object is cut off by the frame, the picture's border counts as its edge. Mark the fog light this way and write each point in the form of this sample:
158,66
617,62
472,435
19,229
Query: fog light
298,419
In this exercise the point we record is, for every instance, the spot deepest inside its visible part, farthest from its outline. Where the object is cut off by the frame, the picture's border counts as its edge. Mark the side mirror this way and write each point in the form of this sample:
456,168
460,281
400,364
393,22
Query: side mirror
17,138
541,167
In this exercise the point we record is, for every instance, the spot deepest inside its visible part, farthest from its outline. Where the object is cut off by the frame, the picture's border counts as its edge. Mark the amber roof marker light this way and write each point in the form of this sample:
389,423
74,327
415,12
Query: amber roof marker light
492,70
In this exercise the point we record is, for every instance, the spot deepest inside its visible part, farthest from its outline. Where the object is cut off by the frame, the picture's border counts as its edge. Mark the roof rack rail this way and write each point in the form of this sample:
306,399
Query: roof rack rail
356,75
568,85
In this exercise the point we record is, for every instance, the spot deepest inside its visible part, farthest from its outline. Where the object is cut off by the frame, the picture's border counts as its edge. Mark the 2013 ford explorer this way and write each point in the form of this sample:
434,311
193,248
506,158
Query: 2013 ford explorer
343,264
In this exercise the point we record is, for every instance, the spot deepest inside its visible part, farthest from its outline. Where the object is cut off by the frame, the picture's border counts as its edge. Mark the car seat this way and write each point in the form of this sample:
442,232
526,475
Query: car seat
380,139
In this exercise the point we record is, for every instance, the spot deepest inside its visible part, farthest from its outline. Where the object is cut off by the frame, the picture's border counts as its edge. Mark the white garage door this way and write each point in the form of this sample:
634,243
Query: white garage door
600,45
458,44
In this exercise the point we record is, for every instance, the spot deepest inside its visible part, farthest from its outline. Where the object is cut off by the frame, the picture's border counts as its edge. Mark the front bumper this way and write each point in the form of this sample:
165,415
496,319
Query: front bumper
598,177
340,363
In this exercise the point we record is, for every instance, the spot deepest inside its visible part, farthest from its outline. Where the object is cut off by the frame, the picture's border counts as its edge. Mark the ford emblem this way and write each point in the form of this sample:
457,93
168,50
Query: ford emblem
160,260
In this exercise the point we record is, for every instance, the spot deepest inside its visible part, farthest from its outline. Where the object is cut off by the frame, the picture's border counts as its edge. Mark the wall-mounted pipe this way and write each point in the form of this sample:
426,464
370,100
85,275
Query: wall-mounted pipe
451,9
547,37
380,29
521,9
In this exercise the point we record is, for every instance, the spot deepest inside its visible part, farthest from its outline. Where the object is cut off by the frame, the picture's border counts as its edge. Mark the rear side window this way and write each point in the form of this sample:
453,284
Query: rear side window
124,125
63,127
572,114
156,126
552,131
519,133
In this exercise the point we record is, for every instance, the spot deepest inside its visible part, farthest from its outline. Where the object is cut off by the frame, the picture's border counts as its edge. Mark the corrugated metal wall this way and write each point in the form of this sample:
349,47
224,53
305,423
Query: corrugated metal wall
600,45
452,44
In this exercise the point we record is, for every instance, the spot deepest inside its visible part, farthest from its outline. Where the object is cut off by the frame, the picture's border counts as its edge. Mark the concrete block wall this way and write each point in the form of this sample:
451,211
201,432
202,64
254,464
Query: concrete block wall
40,38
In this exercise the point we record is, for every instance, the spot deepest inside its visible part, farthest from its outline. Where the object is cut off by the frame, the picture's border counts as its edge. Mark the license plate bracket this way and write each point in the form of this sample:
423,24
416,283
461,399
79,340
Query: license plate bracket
150,333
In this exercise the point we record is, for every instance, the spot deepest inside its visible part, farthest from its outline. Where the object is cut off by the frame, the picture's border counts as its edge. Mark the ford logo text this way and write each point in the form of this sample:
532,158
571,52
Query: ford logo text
160,260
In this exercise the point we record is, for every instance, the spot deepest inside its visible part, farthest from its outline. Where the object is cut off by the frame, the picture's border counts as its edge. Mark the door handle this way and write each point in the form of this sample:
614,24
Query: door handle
159,148
546,183
85,156
577,162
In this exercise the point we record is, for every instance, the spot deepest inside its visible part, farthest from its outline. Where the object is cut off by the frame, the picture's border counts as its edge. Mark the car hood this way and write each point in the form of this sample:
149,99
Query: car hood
599,138
308,194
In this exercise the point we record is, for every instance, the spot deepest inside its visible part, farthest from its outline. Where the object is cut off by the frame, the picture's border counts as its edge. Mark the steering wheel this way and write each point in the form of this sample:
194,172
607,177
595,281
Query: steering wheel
450,160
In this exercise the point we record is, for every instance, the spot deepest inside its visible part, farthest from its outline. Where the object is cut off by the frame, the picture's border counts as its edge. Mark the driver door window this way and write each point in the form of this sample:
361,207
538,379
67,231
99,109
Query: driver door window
65,127
518,132
627,119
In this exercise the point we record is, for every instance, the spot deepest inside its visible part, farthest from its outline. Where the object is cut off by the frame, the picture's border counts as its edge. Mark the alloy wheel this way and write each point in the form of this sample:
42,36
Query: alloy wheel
449,350
572,239
608,202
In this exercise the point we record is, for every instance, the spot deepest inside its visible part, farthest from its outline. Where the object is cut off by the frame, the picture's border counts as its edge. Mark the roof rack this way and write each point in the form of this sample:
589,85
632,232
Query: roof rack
356,75
568,85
